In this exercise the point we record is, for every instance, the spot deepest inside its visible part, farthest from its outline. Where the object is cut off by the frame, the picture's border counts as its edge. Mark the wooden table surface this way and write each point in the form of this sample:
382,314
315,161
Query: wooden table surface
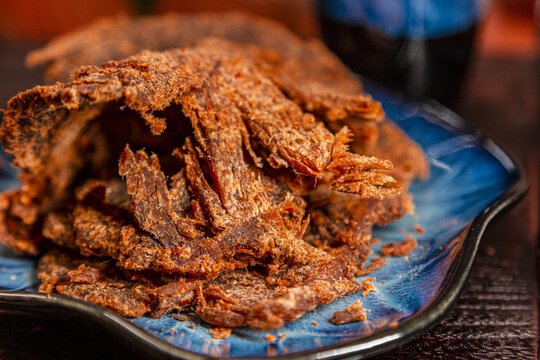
496,316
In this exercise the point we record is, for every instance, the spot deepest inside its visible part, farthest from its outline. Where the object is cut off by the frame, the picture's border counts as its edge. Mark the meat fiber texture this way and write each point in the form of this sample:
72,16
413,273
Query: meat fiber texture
238,203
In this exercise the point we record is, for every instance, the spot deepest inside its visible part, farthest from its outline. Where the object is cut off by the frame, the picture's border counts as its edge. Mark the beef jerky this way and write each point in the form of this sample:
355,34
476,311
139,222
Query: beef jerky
271,314
56,272
175,295
362,175
343,223
305,70
315,85
241,190
179,196
111,193
58,227
391,141
312,77
93,232
94,223
354,312
93,45
234,299
96,233
368,286
258,232
152,203
99,282
53,145
108,235
152,81
21,205
39,193
293,138
365,133
15,232
220,216
101,230
50,188
46,121
241,298
228,300
345,218
18,236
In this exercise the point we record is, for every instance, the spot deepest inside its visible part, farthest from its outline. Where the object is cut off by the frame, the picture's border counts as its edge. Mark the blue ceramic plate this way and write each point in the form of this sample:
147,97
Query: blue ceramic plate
472,179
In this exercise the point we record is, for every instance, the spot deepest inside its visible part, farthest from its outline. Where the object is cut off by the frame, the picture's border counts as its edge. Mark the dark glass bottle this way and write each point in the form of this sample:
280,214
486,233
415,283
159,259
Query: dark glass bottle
430,62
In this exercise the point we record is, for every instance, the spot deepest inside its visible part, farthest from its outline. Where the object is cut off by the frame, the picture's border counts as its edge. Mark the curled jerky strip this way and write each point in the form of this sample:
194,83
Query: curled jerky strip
152,200
306,71
152,81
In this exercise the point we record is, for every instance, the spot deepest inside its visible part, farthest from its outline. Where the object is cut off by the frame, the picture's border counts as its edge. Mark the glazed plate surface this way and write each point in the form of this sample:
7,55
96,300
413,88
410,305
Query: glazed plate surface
471,180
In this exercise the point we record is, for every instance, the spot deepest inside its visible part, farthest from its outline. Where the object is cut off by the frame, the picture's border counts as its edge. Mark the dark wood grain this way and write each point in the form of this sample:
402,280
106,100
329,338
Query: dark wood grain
496,316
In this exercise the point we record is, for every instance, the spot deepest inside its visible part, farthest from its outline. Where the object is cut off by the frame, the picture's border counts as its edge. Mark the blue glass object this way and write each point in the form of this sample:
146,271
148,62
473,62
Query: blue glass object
415,19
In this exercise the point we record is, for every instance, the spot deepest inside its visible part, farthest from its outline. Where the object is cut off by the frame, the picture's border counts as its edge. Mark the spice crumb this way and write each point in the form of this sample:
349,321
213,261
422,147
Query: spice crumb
314,323
368,286
179,318
270,338
221,332
354,312
191,326
402,248
419,229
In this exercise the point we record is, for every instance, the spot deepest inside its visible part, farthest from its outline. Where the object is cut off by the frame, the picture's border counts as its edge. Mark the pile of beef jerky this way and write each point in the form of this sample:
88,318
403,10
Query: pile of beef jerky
214,163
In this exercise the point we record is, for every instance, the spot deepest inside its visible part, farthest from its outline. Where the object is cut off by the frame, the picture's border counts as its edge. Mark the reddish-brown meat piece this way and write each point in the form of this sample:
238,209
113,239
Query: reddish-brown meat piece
94,45
15,233
309,74
213,215
99,282
346,218
235,89
235,299
150,82
153,206
391,140
240,299
354,312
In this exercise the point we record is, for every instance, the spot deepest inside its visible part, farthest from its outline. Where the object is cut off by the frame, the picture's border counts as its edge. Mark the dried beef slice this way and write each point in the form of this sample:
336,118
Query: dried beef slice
216,164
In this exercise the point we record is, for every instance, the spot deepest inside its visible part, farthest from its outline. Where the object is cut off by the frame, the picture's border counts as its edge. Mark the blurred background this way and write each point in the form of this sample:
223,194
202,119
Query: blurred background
508,28
487,71
436,66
